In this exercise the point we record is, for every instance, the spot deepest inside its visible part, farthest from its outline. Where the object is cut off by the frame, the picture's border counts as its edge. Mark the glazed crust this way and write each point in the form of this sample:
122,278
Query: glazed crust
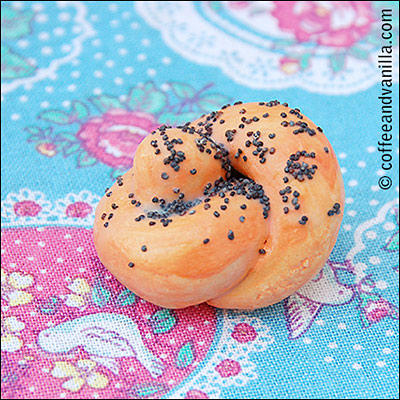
243,253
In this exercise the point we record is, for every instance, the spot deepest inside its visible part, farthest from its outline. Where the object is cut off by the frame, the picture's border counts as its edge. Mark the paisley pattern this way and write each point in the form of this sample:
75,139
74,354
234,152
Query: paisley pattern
98,334
81,86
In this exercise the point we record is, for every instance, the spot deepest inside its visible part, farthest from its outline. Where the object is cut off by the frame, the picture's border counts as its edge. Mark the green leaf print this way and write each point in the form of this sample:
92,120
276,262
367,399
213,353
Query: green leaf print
70,148
13,65
100,295
146,391
105,102
393,243
125,298
49,306
337,62
171,118
185,356
359,52
163,321
117,172
183,90
84,160
305,60
147,98
79,111
15,23
33,130
55,116
212,101
65,137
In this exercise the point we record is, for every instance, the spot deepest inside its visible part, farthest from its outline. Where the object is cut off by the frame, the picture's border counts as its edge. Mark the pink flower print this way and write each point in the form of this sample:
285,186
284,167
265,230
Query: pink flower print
27,208
244,333
78,209
375,310
228,368
47,149
114,137
329,23
196,394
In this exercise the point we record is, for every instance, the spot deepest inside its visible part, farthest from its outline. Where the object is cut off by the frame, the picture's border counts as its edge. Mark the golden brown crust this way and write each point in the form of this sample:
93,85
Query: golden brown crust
224,251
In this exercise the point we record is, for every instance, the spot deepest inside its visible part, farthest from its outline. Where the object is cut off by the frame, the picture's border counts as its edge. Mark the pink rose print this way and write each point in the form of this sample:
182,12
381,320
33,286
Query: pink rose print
27,208
333,24
377,310
228,368
113,138
79,209
244,333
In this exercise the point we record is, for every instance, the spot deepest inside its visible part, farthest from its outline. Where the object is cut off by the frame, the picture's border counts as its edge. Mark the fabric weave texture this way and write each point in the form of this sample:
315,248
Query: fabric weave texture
82,84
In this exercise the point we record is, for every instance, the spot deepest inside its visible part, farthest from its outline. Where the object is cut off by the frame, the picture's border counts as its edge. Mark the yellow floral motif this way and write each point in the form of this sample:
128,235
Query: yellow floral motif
12,288
80,374
11,328
80,293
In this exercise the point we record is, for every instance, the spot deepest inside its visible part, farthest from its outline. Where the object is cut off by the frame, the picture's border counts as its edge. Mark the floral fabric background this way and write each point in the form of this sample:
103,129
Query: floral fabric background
82,84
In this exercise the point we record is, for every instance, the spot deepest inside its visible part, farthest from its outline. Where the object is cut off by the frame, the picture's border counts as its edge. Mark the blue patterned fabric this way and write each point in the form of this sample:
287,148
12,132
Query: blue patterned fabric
81,84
